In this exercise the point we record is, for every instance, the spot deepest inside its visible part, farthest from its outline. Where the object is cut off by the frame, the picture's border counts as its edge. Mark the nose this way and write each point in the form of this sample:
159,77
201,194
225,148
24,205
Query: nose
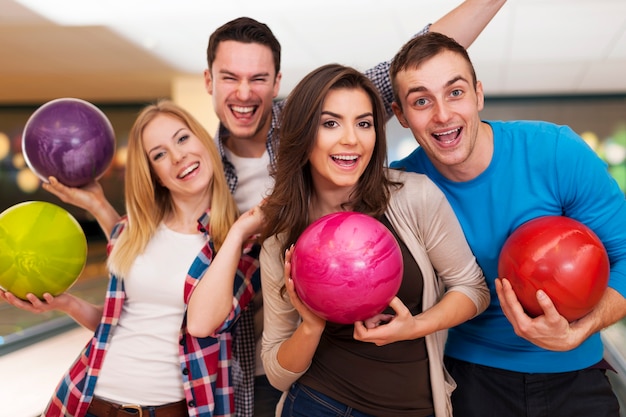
243,90
349,136
442,113
177,155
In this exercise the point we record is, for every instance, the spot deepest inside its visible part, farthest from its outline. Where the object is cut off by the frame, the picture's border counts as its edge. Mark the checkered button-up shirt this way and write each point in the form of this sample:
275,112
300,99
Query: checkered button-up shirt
204,362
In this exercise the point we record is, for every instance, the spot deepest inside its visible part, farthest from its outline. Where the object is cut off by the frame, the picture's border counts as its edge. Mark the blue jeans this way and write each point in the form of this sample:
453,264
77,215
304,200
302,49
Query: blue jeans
303,401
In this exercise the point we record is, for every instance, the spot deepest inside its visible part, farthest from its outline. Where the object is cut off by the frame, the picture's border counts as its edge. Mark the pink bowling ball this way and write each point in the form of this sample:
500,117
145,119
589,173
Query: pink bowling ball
346,267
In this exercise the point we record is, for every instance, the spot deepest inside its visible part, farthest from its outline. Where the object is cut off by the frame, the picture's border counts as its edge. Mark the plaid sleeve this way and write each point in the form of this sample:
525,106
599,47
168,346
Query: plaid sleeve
247,283
115,233
379,75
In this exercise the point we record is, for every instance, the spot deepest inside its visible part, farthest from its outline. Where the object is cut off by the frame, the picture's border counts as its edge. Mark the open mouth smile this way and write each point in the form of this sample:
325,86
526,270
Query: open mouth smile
191,168
448,136
345,160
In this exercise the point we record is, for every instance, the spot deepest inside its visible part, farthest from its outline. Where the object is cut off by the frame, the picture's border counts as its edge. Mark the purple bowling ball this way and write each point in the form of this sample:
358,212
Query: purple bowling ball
70,139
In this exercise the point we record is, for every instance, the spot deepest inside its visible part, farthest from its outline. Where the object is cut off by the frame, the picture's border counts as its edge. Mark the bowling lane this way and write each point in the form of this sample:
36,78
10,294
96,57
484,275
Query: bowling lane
614,339
35,349
29,375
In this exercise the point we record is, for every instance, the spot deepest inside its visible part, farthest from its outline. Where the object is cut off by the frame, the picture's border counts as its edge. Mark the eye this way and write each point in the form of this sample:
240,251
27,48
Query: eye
157,155
366,124
456,93
420,102
330,124
183,138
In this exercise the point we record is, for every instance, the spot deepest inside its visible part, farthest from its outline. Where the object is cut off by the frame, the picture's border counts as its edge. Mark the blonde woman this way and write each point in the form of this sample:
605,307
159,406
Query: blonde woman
180,219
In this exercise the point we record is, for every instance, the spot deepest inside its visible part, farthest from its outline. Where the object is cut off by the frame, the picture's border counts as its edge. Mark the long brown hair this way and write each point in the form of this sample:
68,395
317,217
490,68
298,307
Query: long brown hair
147,201
286,209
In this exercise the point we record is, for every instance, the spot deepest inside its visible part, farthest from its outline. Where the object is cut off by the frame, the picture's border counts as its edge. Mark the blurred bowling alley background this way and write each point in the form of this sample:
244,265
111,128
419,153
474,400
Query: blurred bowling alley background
538,59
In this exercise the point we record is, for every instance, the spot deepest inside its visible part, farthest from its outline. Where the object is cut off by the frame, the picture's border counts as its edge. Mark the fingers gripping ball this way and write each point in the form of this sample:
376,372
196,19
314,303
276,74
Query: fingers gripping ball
70,139
42,249
346,267
561,256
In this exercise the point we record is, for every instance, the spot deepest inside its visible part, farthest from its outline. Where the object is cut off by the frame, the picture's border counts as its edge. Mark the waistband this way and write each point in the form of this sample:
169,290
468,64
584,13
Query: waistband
103,408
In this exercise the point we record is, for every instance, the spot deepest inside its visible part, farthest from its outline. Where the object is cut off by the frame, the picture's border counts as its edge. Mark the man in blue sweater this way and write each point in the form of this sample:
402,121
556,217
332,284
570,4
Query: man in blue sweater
498,175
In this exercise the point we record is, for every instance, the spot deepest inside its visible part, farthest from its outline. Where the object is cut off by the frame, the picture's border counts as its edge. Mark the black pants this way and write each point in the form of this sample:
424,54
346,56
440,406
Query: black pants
265,397
489,392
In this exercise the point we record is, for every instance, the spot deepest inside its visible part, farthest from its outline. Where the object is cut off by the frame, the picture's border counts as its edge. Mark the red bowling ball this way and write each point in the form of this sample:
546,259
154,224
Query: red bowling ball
70,139
561,256
346,267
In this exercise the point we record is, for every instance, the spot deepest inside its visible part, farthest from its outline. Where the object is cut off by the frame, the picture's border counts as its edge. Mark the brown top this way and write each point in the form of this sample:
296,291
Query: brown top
423,218
365,376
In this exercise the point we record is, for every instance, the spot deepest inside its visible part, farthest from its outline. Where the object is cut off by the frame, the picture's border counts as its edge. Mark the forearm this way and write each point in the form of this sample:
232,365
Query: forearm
106,216
295,354
212,299
465,22
82,312
609,310
453,309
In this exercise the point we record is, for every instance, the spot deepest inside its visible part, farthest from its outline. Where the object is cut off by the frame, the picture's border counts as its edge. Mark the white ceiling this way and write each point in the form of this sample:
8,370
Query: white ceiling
110,53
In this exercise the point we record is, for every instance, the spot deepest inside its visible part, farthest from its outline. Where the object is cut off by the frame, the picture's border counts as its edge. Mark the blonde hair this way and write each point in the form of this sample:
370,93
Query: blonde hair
147,201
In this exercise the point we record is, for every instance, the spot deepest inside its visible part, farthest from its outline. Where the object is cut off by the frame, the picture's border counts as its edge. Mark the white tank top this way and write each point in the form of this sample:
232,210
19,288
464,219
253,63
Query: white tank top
141,365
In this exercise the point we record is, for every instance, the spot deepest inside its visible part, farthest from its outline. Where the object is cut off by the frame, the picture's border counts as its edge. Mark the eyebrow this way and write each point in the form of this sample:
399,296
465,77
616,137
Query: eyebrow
173,137
339,116
227,72
447,84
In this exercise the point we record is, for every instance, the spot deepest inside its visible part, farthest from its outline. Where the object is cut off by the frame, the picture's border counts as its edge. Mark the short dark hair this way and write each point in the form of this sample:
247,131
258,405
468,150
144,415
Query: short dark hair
245,30
421,49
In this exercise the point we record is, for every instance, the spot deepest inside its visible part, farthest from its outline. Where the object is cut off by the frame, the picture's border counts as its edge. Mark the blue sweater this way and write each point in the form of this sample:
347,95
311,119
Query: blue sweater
537,169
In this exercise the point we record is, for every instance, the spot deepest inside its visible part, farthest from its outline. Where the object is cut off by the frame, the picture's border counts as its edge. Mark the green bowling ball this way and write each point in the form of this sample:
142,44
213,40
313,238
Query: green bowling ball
42,249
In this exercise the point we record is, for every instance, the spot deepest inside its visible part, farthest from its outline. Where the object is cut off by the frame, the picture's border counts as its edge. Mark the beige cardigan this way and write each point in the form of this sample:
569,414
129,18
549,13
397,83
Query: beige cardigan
424,220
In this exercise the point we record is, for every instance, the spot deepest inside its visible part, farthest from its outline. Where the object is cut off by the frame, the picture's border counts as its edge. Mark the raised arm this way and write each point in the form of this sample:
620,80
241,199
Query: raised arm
91,198
466,21
212,300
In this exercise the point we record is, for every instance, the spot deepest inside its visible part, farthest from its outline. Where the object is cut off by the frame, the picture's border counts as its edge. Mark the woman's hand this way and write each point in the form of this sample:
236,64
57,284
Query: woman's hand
82,312
36,305
84,197
309,318
89,197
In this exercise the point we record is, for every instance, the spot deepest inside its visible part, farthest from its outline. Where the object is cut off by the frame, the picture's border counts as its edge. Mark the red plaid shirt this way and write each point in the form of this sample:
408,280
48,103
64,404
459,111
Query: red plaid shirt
204,362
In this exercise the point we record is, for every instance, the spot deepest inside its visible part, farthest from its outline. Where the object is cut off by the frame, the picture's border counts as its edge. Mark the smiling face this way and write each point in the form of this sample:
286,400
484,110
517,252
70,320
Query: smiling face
178,158
345,140
243,83
441,107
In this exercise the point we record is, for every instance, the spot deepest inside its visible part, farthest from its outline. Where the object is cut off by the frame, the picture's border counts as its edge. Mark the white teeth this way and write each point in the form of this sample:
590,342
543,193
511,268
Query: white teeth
188,170
345,157
240,109
446,133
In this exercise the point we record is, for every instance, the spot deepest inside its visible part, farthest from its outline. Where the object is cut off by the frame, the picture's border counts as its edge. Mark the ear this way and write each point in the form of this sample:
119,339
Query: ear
480,96
398,112
279,77
208,81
